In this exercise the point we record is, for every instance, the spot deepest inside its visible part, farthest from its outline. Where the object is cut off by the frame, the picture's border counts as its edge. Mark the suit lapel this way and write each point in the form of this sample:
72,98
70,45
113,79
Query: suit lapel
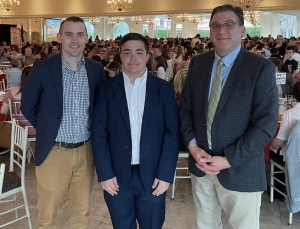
119,91
91,80
57,75
207,69
233,78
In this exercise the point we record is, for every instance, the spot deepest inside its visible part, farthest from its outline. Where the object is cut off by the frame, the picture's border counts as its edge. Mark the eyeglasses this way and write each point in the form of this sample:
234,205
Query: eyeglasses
227,26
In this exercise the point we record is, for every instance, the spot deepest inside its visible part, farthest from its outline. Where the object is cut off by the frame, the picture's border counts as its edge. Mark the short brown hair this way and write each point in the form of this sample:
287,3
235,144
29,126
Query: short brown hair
14,63
72,19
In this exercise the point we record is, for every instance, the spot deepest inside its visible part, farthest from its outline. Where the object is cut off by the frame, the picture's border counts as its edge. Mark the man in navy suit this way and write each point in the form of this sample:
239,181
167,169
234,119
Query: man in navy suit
57,99
135,139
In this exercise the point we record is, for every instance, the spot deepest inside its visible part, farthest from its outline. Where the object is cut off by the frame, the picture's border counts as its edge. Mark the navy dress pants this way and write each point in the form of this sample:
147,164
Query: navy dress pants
133,203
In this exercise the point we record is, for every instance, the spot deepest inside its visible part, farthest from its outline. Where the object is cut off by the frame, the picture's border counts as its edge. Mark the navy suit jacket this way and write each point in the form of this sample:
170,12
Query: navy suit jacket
42,99
111,136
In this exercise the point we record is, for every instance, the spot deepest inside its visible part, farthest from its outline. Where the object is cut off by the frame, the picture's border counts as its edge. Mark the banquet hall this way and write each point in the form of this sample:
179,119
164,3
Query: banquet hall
31,23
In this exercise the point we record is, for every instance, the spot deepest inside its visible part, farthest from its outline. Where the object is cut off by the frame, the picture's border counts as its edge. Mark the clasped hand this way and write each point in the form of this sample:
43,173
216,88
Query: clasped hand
206,163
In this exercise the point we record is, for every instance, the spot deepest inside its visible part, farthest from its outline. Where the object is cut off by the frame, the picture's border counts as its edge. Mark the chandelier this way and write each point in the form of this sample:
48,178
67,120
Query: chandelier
247,3
9,4
252,17
119,4
150,21
171,16
195,19
93,20
136,19
115,20
182,17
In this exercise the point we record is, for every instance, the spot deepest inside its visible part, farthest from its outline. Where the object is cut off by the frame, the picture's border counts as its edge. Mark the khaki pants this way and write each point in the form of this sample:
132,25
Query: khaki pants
65,169
242,209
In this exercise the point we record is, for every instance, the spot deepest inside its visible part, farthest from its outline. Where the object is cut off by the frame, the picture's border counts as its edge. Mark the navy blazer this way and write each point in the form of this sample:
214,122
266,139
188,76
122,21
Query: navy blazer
42,100
111,135
244,122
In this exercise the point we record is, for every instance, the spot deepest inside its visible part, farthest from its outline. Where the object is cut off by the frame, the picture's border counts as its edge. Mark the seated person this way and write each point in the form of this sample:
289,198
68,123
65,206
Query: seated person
13,75
14,94
161,67
288,60
289,119
283,89
114,68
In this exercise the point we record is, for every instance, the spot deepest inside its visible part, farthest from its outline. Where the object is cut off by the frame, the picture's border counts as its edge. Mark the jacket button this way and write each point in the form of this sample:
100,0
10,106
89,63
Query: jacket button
59,118
129,153
204,124
205,143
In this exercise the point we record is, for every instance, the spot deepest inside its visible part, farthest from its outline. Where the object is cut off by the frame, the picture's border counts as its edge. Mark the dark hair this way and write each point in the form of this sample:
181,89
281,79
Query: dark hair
97,58
161,62
115,66
72,19
188,53
38,50
158,47
134,37
290,48
296,91
227,8
276,61
151,63
165,54
25,73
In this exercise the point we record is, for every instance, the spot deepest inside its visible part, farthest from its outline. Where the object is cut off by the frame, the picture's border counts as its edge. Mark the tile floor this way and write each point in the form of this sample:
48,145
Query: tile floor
179,214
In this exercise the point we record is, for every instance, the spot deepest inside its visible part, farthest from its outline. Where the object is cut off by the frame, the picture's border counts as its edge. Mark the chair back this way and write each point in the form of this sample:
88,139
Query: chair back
2,171
2,85
18,148
14,110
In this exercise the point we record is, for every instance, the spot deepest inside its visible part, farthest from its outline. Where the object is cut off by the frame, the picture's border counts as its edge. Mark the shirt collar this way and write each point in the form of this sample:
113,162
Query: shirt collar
65,64
138,81
229,58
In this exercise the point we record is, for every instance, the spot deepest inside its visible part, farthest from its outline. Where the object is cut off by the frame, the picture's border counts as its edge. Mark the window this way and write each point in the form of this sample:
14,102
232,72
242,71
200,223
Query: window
162,26
145,30
178,30
287,25
90,29
203,28
121,28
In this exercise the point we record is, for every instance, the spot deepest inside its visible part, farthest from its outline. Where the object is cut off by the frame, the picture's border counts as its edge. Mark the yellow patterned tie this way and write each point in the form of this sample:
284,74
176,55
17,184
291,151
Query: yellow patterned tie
214,100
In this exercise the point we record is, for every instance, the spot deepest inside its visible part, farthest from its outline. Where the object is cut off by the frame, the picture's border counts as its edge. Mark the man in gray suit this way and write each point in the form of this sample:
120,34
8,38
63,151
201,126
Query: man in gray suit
229,110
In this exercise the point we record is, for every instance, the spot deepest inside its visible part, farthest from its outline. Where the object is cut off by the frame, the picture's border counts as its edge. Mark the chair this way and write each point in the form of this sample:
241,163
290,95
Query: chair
15,112
183,155
277,164
12,183
2,85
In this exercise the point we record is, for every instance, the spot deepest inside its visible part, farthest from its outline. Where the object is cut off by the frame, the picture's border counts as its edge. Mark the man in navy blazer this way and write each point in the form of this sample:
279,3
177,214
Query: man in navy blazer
135,139
57,99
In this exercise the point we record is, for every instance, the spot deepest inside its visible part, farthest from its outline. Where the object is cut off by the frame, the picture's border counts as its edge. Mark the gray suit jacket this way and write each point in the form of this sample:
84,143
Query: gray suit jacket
245,119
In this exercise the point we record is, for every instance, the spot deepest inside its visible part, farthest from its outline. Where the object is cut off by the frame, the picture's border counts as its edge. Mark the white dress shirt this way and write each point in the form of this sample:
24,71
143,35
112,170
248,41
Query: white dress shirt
135,95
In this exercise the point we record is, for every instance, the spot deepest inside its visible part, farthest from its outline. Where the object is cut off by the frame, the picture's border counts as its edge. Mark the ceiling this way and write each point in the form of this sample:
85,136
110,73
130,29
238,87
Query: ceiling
63,8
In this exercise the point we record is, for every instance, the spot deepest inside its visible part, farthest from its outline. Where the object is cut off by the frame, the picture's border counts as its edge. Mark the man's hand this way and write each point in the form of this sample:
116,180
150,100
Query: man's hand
111,186
160,187
199,154
216,163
